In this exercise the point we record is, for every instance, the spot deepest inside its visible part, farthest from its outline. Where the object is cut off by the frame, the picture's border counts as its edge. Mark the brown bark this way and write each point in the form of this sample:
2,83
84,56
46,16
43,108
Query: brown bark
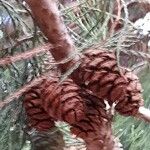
50,22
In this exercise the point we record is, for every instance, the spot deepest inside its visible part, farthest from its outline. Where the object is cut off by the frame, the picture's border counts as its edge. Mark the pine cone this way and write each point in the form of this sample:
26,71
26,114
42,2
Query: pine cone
37,117
133,95
95,128
99,73
95,125
46,136
62,101
91,122
83,106
53,100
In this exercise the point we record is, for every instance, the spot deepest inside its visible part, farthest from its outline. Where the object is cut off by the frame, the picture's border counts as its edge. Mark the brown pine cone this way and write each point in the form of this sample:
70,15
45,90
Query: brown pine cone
133,95
46,136
95,128
62,101
53,100
99,73
37,117
90,120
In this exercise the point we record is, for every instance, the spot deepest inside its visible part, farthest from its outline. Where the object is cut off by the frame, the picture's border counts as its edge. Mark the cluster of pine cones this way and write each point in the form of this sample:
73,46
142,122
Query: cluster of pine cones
86,100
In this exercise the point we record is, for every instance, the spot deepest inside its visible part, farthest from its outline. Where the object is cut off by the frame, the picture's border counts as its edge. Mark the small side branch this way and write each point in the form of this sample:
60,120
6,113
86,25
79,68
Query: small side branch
15,95
25,55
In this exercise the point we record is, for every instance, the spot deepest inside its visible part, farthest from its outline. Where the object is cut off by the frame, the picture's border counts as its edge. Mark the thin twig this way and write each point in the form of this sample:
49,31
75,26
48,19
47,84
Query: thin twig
18,42
15,95
117,18
122,34
25,55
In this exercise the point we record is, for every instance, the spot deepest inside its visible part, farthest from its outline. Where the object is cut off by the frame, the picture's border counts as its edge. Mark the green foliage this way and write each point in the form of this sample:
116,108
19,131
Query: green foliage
17,35
88,20
134,134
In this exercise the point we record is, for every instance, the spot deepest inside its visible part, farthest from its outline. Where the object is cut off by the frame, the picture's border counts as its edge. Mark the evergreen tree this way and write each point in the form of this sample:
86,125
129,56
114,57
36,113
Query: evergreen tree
23,66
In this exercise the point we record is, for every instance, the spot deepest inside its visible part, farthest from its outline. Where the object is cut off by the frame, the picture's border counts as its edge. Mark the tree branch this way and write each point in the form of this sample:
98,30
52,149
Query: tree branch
50,22
26,55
